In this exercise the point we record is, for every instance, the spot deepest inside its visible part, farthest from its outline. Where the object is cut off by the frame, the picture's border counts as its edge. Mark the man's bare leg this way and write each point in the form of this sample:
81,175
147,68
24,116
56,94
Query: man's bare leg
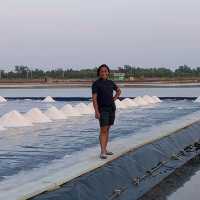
107,138
103,138
108,152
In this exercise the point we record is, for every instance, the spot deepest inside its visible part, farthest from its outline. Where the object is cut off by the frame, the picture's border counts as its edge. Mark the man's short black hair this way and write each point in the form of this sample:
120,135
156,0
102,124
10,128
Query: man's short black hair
99,68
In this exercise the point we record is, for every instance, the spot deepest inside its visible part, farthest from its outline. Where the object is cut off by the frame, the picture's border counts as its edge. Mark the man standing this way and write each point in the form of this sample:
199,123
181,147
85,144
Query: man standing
104,105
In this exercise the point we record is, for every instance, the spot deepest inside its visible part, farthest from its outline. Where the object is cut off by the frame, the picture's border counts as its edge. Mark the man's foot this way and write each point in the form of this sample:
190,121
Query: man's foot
109,153
103,156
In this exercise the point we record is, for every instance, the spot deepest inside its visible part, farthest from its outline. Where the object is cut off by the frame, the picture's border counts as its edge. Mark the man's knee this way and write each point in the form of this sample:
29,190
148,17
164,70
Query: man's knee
104,130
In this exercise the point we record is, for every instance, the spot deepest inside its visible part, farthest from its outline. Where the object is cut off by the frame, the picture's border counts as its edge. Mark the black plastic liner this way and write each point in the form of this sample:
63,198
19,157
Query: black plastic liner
133,174
89,98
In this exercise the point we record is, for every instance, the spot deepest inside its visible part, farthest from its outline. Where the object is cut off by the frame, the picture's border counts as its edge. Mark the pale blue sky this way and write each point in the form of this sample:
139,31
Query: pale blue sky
80,33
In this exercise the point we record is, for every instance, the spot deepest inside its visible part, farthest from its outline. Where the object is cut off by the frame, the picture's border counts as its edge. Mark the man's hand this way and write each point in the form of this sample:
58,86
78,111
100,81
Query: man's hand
118,93
97,115
115,98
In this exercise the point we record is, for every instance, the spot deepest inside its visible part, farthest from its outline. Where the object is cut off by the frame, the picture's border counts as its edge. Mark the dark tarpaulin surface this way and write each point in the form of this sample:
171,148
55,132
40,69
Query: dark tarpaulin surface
89,98
133,174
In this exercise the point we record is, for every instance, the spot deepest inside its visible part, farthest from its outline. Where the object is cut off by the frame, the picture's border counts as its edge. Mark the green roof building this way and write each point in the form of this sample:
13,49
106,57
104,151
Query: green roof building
119,76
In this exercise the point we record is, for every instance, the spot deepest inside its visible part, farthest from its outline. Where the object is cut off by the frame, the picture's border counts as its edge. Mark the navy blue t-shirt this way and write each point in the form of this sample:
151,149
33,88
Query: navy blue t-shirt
104,90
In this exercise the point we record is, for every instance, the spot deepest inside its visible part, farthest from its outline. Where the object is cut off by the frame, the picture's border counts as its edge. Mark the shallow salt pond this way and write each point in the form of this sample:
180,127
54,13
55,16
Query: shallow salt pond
29,148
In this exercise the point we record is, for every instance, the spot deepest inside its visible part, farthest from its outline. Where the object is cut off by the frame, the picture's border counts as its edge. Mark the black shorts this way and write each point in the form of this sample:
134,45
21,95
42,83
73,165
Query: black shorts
107,116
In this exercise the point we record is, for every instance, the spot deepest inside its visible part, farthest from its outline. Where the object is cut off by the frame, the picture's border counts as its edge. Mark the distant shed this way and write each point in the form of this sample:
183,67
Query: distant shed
119,76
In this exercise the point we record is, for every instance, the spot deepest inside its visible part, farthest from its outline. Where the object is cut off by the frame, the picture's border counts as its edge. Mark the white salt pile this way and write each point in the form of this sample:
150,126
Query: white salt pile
14,119
68,110
48,99
55,114
83,109
120,104
2,99
81,105
2,128
129,102
90,104
148,99
197,99
156,99
35,115
140,101
90,107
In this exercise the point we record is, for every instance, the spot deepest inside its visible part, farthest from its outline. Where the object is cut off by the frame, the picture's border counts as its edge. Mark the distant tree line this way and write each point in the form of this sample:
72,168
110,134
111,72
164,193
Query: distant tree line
181,71
24,72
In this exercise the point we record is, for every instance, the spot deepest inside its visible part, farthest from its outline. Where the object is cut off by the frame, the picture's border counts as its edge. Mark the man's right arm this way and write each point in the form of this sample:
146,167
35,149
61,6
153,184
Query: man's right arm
94,100
95,104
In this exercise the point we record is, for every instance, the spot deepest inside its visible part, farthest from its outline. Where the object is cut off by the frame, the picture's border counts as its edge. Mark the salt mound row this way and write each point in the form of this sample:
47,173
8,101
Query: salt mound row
2,128
120,104
156,99
68,110
129,102
197,99
14,119
2,99
149,99
83,109
48,99
140,101
90,106
54,114
36,116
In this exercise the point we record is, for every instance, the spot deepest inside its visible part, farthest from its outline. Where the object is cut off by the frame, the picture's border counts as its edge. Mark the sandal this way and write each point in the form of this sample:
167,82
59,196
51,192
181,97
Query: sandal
103,156
110,153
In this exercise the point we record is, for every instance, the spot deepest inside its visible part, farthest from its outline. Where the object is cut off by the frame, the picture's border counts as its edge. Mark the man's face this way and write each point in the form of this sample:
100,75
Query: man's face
103,73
